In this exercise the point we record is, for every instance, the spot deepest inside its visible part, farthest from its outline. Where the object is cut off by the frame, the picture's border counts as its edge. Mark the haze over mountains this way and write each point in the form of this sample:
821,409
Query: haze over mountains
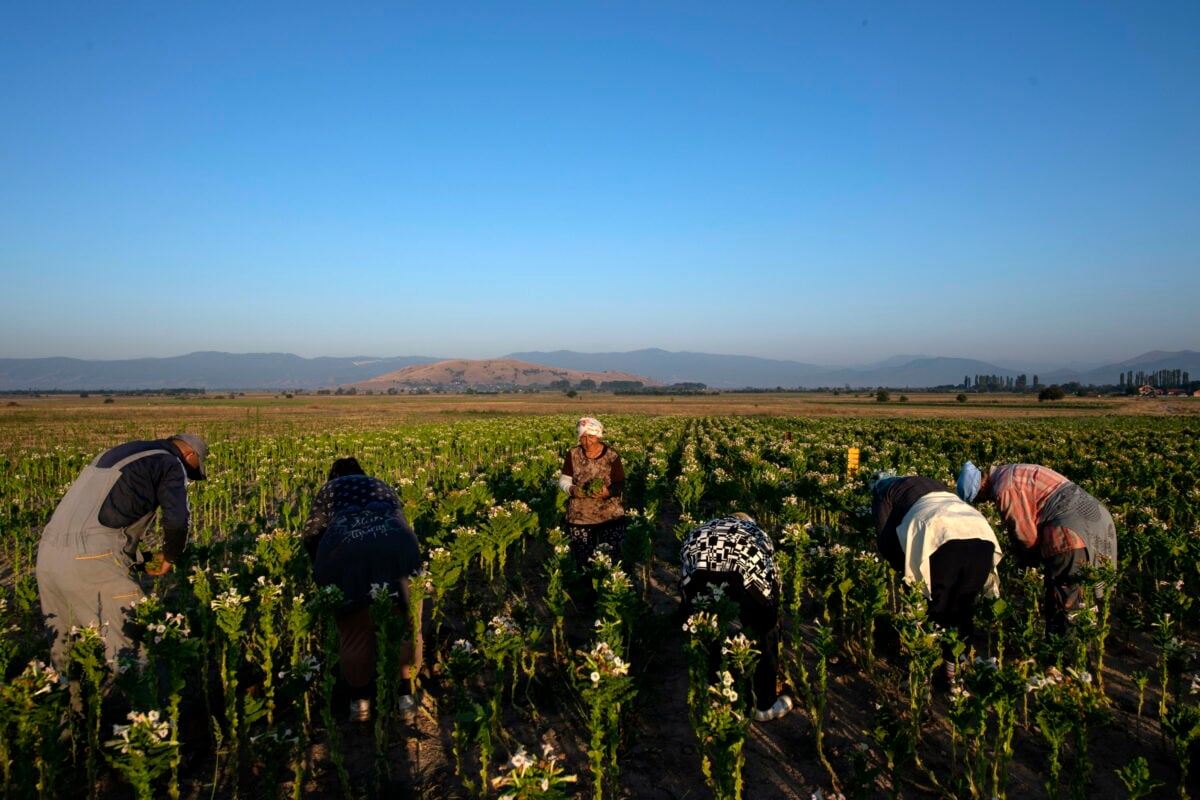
731,372
201,370
283,371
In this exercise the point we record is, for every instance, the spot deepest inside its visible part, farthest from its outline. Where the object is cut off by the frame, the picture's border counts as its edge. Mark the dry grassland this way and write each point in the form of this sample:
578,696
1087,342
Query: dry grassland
27,420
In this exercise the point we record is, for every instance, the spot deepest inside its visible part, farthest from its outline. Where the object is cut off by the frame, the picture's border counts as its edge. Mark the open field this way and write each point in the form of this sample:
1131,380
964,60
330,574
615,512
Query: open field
244,412
475,473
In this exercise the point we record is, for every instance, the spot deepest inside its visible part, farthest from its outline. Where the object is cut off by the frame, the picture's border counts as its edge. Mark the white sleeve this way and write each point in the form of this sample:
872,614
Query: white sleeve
565,482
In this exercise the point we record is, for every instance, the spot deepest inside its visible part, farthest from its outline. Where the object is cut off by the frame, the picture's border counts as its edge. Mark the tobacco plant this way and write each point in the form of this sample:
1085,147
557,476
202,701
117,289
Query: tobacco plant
722,733
1067,704
605,686
86,657
142,751
32,705
534,777
1182,726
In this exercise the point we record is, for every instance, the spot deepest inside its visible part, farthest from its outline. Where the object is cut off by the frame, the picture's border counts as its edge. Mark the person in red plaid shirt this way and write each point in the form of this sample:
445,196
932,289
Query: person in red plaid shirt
1050,520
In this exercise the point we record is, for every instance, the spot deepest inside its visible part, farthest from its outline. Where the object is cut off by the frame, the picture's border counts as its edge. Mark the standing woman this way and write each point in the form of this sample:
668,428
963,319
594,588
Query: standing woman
593,478
358,539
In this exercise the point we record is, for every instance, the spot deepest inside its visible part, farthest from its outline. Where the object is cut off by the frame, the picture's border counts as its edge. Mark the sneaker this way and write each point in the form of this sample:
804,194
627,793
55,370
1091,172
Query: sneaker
407,706
783,704
360,710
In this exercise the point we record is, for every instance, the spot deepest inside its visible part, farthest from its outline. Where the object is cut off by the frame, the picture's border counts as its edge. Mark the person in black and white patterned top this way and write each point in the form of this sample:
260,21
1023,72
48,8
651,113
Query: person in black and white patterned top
735,552
359,539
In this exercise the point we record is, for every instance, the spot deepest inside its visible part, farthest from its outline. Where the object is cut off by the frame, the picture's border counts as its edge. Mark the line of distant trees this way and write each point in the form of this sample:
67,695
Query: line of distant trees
686,387
1160,379
999,383
1127,383
589,385
172,392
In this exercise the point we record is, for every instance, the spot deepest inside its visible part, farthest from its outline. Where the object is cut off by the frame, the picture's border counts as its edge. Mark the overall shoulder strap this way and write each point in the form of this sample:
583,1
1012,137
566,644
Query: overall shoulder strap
130,459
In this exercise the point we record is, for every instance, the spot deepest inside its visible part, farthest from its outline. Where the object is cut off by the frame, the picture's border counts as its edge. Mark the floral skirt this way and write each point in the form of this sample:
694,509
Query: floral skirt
584,539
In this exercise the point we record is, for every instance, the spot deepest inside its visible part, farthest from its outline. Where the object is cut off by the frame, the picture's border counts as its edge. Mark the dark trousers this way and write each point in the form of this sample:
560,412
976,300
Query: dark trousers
760,618
357,651
957,572
1063,591
356,635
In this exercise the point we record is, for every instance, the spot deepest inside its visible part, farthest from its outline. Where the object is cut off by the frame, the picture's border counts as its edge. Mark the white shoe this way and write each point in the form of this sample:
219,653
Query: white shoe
407,706
360,710
783,704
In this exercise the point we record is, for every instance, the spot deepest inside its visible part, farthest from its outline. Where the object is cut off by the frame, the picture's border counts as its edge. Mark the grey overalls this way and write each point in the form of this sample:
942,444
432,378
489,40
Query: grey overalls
1069,506
83,566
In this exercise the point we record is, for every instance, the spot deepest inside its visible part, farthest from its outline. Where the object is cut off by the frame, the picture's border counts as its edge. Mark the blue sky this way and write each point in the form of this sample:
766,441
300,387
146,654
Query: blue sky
819,181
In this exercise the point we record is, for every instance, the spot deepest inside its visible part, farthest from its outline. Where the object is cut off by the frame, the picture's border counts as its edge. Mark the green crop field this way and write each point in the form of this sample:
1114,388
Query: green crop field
529,692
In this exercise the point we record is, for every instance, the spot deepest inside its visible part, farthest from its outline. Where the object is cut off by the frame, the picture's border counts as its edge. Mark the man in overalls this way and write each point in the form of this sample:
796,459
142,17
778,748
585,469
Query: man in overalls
91,542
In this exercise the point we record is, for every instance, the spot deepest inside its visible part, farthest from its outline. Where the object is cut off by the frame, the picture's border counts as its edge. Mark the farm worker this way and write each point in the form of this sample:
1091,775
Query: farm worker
360,541
941,543
593,478
1051,520
735,553
90,544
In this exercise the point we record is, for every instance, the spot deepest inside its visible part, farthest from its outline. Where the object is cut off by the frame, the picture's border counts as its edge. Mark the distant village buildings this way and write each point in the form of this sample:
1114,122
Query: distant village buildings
1147,390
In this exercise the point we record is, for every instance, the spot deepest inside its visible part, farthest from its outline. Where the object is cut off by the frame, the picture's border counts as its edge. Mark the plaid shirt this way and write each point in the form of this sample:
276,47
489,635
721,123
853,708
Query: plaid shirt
1020,492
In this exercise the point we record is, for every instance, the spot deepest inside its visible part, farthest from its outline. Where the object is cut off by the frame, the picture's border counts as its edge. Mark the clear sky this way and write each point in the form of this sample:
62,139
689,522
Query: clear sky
830,182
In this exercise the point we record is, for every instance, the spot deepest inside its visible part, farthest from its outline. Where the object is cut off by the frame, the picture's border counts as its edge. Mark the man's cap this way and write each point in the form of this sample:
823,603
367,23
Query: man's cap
201,447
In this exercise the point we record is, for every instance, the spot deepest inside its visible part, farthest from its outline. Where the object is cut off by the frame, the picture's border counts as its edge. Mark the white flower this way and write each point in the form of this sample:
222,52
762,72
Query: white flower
520,761
379,590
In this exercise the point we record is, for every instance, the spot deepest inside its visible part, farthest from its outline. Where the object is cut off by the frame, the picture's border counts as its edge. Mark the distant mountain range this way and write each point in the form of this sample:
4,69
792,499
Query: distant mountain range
283,371
899,372
203,370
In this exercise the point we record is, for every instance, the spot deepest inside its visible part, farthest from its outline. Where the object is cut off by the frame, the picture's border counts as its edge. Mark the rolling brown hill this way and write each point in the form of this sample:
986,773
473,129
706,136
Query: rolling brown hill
496,373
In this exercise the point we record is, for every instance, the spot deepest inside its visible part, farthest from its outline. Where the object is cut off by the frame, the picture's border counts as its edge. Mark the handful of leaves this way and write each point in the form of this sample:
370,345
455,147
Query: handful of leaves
594,487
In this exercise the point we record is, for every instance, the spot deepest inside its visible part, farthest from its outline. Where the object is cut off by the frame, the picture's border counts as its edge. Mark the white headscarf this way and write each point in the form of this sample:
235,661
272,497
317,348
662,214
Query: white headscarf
588,425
